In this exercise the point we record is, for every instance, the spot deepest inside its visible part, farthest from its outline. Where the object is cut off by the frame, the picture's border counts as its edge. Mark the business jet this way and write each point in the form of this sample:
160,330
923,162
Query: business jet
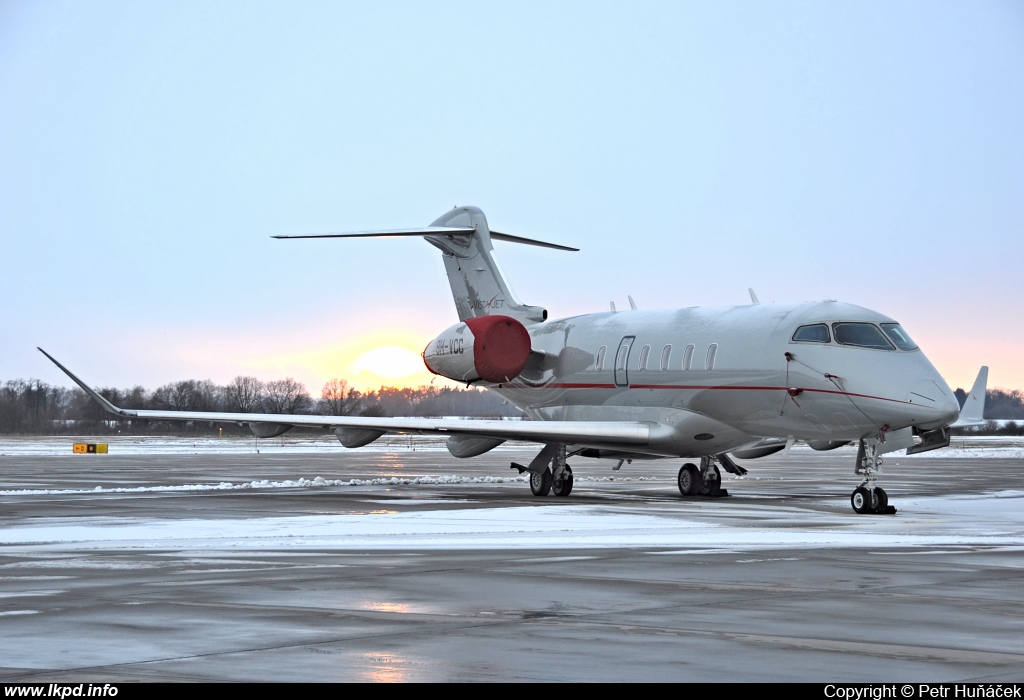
710,384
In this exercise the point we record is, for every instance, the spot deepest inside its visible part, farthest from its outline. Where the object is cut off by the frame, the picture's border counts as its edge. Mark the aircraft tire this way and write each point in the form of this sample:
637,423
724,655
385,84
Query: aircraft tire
540,484
689,480
861,499
564,487
881,498
711,487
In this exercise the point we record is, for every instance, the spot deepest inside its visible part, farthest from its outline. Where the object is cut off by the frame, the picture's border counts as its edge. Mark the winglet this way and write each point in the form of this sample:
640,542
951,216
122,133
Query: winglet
973,410
87,389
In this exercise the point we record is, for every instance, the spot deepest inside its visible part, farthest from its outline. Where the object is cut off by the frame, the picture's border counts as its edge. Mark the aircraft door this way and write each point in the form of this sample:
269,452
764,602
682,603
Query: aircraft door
622,361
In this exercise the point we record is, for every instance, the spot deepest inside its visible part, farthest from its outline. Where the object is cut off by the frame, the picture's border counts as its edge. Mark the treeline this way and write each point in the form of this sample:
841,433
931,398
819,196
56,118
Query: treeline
993,427
999,404
33,407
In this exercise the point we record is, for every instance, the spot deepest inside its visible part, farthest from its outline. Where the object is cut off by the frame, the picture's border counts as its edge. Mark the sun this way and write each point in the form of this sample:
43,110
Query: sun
389,361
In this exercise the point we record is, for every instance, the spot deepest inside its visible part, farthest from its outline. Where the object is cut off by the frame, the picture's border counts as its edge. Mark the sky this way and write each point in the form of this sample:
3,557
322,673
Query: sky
871,152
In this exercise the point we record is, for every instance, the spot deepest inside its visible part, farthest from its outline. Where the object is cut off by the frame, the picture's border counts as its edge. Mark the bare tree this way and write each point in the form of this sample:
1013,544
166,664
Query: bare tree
136,397
188,395
336,399
286,396
244,395
30,406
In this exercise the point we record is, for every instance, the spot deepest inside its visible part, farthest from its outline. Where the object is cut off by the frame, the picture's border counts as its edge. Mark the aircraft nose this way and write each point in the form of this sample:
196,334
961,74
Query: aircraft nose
931,403
950,410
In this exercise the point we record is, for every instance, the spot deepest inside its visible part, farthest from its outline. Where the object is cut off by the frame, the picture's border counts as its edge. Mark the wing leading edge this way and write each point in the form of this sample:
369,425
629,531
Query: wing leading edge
591,433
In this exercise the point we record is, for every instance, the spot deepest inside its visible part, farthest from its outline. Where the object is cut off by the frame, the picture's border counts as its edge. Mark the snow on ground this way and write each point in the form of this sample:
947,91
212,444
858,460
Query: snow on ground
992,520
141,445
286,484
973,446
974,521
319,482
997,447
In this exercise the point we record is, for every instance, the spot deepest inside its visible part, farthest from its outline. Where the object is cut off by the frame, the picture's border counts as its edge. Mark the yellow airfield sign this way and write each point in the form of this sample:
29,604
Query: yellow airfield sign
83,448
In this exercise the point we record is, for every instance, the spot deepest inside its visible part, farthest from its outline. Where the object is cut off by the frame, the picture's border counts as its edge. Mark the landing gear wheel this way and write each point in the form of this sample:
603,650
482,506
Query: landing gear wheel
563,487
689,480
712,485
861,499
540,484
881,499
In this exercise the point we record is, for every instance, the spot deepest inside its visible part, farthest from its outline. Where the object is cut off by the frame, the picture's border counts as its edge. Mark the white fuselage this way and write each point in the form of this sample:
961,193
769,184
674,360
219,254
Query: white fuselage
731,377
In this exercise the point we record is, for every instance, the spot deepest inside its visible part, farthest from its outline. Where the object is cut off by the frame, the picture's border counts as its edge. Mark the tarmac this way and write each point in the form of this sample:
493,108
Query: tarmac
183,560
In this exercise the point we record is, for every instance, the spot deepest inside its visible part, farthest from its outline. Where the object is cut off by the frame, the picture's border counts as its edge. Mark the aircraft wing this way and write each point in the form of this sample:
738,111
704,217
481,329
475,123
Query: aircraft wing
359,430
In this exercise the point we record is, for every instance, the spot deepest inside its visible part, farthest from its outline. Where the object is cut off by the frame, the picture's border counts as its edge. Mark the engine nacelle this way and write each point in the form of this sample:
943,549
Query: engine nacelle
492,348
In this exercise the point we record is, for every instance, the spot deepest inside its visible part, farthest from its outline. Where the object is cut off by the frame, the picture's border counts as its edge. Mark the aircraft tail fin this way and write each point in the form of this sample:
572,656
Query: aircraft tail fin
477,284
973,410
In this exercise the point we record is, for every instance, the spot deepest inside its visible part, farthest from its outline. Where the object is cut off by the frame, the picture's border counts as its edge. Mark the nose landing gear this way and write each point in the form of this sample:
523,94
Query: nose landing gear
868,498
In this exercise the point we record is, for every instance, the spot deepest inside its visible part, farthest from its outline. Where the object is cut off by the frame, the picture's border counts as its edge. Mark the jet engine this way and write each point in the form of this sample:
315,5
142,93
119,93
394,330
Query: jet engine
492,348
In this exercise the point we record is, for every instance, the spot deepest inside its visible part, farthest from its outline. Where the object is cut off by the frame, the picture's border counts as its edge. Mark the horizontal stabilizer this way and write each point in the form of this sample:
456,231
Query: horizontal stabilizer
394,233
509,238
467,242
435,231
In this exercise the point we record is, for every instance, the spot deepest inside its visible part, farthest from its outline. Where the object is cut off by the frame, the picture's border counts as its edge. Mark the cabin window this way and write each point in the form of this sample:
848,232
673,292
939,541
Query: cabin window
620,359
666,355
599,363
861,335
816,333
709,361
687,357
645,354
899,336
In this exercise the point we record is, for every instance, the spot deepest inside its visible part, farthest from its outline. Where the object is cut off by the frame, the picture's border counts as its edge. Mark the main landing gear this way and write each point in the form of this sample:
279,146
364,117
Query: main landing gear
868,498
703,481
543,483
544,480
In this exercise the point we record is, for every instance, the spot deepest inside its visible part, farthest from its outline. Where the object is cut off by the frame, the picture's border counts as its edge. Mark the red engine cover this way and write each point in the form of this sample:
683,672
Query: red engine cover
501,347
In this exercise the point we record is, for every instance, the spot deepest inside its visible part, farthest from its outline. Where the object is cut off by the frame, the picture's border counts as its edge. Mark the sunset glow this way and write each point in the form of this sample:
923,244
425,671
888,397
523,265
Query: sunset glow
368,362
389,361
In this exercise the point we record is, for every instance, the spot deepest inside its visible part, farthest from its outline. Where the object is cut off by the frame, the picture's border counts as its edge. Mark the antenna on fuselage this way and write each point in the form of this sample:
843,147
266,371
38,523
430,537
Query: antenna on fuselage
612,304
632,304
753,297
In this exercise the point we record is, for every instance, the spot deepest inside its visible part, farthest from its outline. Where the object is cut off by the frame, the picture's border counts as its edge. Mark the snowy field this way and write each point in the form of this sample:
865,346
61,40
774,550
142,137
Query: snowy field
141,445
996,447
175,559
993,522
742,523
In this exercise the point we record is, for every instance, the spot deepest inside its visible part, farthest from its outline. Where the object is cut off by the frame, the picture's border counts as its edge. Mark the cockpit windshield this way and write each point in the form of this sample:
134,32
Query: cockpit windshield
899,336
861,335
856,334
815,333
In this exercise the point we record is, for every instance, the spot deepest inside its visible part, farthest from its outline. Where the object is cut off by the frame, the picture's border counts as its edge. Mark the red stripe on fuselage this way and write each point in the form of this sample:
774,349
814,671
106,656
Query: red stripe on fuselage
697,387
